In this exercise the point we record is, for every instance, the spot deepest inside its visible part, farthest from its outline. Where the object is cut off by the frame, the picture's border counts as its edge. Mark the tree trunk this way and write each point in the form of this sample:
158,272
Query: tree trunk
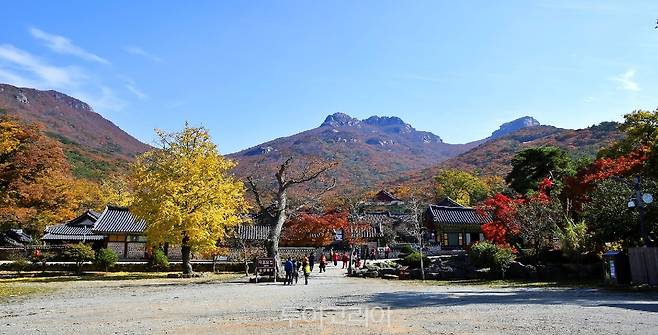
349,266
244,259
185,251
275,233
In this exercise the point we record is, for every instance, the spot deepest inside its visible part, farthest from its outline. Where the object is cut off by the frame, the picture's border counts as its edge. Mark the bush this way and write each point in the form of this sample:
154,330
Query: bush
106,258
574,240
78,253
407,249
413,260
488,255
20,264
160,260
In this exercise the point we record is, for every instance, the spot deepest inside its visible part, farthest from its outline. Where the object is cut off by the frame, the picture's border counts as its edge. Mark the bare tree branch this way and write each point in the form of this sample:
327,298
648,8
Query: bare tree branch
251,186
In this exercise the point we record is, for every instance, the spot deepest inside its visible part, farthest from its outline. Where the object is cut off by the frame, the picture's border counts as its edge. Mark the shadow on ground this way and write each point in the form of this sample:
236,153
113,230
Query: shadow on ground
580,297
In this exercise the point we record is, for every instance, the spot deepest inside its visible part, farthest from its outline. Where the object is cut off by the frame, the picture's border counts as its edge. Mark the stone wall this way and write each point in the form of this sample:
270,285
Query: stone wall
118,247
136,250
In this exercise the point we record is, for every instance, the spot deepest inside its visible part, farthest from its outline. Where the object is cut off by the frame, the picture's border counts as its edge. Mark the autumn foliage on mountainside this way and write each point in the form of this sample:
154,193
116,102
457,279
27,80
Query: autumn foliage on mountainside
37,187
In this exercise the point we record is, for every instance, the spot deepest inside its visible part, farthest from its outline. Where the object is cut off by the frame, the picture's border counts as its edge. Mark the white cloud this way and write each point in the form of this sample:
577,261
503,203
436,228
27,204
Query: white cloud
63,45
105,100
19,67
17,64
137,92
141,52
627,81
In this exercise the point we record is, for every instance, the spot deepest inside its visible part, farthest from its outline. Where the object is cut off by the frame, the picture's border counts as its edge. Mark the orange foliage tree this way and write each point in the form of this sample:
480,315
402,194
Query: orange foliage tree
36,184
313,229
578,187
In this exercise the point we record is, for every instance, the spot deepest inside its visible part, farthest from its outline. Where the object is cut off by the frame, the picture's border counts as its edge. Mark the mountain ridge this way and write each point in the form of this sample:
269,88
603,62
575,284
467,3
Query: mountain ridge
93,144
371,150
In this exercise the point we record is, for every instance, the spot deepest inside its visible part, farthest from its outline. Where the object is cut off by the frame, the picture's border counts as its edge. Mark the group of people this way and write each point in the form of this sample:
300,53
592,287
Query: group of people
306,264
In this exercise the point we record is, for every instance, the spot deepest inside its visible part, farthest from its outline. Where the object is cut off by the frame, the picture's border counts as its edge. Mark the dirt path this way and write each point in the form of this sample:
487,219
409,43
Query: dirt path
330,304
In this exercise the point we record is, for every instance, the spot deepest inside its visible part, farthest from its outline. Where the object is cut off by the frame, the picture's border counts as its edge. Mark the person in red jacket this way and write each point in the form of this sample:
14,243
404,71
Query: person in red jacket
323,263
334,256
346,260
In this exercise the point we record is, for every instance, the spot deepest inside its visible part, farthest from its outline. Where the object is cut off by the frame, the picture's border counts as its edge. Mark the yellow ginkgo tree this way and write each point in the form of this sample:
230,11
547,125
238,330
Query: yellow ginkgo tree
185,192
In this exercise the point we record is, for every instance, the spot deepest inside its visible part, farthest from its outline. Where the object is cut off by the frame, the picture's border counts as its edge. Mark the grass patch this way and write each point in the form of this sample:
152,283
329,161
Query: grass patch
50,277
12,290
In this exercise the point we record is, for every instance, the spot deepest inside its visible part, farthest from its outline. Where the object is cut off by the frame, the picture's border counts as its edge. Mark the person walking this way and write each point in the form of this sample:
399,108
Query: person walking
334,257
307,270
387,251
311,260
296,264
345,259
288,267
323,263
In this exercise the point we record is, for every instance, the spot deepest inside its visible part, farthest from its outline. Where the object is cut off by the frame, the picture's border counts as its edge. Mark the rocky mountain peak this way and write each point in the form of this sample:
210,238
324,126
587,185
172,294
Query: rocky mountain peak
512,126
340,119
384,121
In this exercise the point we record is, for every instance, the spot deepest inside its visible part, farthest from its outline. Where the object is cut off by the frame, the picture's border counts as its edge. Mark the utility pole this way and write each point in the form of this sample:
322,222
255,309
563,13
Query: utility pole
640,203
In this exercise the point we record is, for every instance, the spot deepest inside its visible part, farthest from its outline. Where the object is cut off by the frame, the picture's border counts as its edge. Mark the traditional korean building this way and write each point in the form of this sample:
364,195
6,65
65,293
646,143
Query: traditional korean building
75,231
455,226
14,238
124,232
386,197
396,223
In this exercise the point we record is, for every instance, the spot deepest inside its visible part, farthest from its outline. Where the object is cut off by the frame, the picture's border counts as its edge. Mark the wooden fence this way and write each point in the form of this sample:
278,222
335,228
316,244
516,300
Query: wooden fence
644,265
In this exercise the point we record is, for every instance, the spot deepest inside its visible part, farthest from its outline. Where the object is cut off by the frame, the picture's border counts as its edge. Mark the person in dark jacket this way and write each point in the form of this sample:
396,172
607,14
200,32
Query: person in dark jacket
296,264
311,260
288,267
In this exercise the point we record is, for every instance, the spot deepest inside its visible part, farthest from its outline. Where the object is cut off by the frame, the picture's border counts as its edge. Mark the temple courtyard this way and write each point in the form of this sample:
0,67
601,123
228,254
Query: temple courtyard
330,304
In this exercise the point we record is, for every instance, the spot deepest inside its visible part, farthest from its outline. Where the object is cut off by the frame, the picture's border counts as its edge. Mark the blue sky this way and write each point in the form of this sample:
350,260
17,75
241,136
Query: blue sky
252,71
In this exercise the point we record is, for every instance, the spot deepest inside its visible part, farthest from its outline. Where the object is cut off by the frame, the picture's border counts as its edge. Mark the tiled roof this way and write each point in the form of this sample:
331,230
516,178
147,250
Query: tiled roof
456,215
14,238
119,220
66,229
254,231
376,218
76,237
366,232
385,196
77,229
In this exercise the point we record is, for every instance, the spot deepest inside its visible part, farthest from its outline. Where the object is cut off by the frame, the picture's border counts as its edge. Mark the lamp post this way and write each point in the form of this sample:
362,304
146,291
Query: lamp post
639,201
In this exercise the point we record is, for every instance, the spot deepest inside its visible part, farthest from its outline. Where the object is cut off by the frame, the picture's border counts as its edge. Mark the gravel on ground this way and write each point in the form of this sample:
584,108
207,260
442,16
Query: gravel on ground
330,304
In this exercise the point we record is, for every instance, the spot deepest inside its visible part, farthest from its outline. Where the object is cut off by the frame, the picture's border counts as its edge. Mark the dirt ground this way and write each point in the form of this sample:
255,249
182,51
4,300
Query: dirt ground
330,304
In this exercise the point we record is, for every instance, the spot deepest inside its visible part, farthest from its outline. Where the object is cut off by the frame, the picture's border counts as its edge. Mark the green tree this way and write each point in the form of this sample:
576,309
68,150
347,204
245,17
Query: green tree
530,166
574,239
460,186
609,218
185,192
106,258
160,260
485,254
79,253
538,221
